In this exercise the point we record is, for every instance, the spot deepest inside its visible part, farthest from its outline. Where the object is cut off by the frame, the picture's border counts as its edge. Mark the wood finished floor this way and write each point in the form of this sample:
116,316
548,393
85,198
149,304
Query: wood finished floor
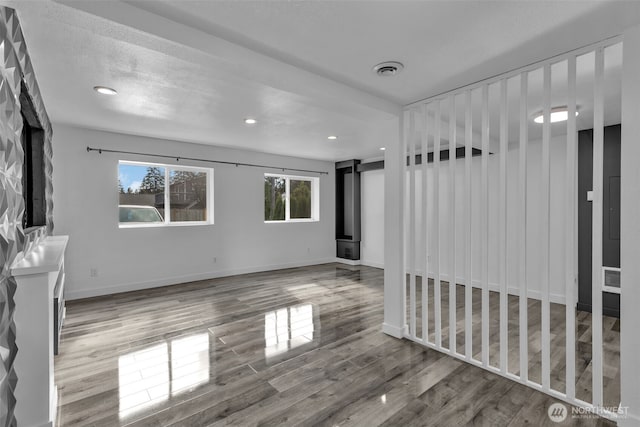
292,347
583,349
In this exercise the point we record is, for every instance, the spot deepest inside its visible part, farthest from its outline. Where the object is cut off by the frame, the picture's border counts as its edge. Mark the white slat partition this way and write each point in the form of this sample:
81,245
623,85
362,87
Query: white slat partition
502,261
545,212
428,248
424,150
596,279
436,226
484,225
412,223
452,224
522,220
468,277
569,221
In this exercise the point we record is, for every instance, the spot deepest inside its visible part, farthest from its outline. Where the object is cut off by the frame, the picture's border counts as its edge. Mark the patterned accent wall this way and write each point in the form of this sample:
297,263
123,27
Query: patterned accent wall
15,65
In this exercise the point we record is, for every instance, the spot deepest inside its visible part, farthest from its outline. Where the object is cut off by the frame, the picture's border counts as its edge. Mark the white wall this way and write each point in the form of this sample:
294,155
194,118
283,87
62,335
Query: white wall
86,208
630,231
373,218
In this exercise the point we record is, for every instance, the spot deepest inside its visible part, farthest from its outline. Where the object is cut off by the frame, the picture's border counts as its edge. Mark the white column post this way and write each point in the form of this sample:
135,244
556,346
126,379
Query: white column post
630,230
394,276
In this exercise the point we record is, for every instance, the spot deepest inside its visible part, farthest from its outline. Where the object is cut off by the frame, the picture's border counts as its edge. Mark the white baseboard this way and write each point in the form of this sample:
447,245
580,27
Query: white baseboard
348,261
53,408
394,331
512,290
175,280
155,283
630,420
372,264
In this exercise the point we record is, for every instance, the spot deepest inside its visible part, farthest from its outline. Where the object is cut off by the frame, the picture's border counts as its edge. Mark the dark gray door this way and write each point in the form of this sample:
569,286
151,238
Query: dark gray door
611,215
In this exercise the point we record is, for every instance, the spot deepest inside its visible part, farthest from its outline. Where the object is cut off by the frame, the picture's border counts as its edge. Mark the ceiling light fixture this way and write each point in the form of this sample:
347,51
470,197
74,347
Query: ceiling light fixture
103,90
388,69
332,137
558,114
382,148
250,121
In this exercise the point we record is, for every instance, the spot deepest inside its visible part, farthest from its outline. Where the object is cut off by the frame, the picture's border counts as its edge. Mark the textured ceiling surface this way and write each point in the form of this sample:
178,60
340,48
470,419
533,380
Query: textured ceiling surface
193,70
444,44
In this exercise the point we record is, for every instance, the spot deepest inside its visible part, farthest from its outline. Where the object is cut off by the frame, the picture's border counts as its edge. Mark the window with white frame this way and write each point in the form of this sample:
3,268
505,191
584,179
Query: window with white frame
290,198
151,194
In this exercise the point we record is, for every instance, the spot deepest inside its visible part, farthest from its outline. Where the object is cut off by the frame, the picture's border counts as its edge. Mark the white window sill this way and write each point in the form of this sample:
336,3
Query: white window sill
291,221
171,224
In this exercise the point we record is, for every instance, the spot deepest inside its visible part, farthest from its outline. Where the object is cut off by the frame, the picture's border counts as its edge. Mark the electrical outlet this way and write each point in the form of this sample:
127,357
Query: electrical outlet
214,259
93,272
308,250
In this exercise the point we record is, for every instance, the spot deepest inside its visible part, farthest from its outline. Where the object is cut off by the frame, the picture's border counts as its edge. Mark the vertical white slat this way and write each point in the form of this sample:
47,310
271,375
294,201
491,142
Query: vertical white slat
502,261
425,228
287,209
522,227
484,225
411,253
545,225
403,162
598,164
468,277
569,229
629,230
436,227
167,197
452,224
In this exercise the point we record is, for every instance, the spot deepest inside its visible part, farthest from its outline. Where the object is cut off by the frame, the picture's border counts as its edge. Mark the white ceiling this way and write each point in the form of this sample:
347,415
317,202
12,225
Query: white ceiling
193,70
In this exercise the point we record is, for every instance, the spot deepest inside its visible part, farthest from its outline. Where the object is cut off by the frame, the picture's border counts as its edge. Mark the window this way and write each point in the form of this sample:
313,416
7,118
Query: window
290,198
153,195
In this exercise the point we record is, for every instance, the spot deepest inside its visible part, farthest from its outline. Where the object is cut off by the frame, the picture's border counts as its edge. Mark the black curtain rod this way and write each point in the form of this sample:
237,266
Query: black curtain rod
178,158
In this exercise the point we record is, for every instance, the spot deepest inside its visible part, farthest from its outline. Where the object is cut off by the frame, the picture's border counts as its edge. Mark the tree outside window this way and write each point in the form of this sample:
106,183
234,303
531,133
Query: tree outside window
290,198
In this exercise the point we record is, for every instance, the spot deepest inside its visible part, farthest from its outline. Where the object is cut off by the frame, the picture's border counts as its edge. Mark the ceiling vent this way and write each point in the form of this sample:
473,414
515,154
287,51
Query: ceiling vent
388,69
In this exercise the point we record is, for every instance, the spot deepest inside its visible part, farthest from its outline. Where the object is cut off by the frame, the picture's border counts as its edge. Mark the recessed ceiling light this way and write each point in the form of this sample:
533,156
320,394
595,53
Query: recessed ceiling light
558,114
388,69
382,148
332,137
105,90
250,121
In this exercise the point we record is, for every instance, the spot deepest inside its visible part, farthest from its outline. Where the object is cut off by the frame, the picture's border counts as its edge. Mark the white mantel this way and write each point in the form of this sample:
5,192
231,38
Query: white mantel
37,275
44,258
